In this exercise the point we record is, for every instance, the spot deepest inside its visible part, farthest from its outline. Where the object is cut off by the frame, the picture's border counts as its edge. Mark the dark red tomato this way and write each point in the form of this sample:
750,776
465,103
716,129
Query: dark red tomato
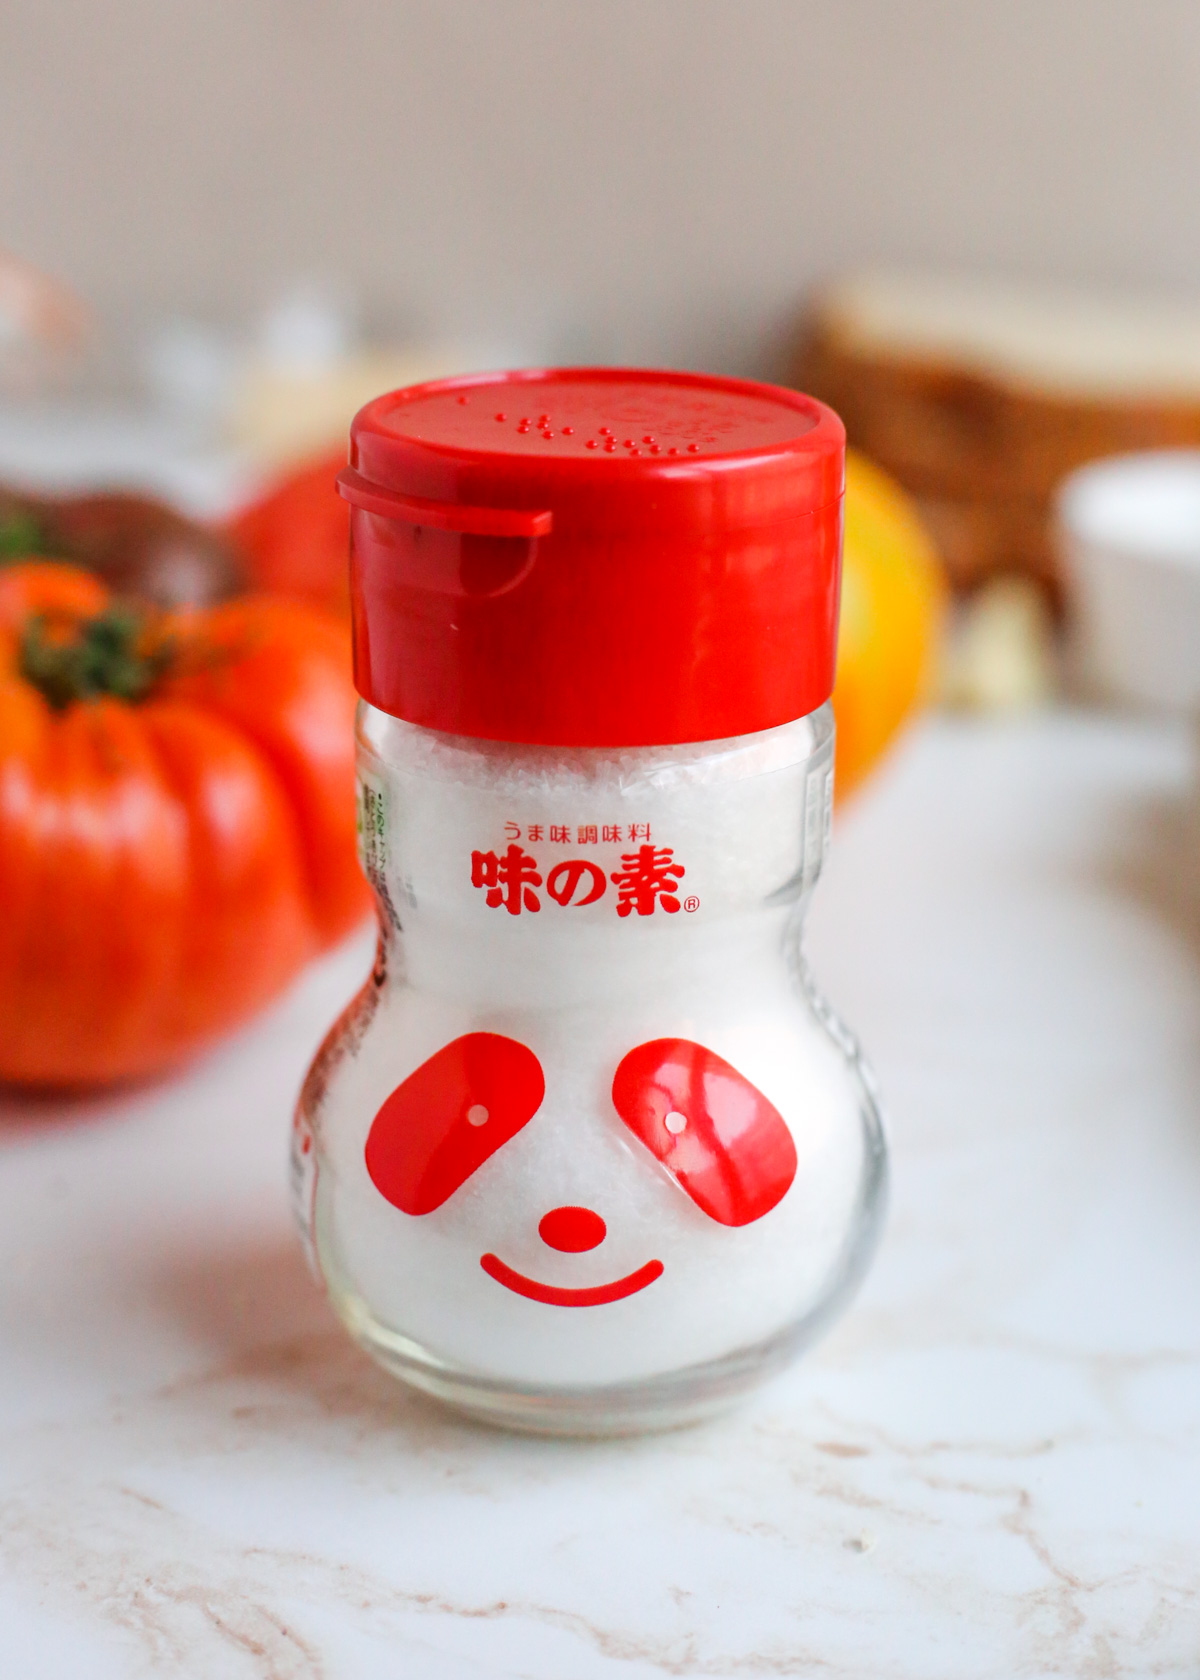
449,1117
715,1132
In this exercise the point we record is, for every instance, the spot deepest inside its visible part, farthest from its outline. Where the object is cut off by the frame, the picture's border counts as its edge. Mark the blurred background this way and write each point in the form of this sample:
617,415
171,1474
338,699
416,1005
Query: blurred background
261,213
556,179
968,224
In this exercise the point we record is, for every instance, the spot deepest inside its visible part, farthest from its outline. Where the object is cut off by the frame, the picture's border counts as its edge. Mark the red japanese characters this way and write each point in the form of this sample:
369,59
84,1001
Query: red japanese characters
648,878
508,880
578,882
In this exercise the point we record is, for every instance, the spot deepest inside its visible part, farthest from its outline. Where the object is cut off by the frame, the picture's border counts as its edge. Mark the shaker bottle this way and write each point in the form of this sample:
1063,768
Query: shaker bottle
588,1153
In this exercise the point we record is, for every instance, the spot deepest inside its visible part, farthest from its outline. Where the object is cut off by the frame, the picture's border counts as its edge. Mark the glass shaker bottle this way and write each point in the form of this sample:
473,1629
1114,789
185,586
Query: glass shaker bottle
587,1153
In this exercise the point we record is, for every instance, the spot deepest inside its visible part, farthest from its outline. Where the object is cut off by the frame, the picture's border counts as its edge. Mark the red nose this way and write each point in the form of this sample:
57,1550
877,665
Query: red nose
572,1230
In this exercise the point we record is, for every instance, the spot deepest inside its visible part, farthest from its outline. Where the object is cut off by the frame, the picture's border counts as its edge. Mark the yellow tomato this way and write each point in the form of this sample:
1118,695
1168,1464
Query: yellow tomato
893,599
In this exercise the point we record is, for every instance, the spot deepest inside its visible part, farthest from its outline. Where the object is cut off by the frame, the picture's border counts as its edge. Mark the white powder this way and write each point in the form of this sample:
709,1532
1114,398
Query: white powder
581,986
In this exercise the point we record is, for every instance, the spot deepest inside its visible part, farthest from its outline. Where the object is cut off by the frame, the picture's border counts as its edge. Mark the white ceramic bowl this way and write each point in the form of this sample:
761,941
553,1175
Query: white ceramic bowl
1129,531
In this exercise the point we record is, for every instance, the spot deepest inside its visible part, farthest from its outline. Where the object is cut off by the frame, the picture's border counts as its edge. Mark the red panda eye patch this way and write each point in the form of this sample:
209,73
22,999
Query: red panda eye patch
450,1116
715,1132
717,1135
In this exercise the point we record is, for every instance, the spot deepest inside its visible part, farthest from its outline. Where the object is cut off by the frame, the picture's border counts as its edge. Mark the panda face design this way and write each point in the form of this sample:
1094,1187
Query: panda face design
715,1134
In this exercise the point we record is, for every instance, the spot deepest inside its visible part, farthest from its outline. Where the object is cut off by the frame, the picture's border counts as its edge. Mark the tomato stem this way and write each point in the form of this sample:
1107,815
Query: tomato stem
20,536
115,653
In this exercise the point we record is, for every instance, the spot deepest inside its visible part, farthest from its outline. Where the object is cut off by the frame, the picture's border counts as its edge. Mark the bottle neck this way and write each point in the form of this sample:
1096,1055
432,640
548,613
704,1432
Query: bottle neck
487,857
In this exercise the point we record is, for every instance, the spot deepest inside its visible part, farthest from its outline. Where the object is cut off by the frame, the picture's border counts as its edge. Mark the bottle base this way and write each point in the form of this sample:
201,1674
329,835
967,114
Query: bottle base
672,1400
669,1400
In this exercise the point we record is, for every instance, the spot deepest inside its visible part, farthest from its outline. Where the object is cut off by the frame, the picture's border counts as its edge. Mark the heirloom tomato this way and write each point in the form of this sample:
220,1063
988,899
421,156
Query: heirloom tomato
176,820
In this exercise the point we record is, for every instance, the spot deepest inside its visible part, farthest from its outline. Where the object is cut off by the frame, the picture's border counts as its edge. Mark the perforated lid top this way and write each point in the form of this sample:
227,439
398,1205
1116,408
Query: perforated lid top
574,413
683,526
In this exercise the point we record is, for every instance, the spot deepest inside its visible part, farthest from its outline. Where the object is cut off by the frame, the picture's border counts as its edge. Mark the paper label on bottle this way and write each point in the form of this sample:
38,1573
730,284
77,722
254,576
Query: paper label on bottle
373,839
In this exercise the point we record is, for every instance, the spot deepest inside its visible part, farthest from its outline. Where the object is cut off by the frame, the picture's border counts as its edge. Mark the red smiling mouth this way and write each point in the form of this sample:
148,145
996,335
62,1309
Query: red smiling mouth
552,1296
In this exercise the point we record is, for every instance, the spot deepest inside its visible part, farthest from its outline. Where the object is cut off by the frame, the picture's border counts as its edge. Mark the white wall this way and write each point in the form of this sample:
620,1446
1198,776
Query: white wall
645,179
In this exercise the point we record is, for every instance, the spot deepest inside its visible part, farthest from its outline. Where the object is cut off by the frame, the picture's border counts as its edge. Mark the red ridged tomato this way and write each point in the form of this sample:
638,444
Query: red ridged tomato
176,821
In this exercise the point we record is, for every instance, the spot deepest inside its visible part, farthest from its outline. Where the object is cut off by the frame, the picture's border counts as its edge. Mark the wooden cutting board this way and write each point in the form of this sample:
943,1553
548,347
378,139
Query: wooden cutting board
981,395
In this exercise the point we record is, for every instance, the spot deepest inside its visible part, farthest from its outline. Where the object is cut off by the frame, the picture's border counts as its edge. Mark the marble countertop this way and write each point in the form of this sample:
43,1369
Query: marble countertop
991,1467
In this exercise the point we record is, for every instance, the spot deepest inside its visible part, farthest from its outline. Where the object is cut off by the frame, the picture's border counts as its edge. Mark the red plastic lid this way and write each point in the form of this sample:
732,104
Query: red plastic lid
595,556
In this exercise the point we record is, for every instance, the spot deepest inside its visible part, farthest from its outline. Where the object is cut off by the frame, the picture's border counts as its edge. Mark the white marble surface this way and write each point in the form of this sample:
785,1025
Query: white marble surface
990,1468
